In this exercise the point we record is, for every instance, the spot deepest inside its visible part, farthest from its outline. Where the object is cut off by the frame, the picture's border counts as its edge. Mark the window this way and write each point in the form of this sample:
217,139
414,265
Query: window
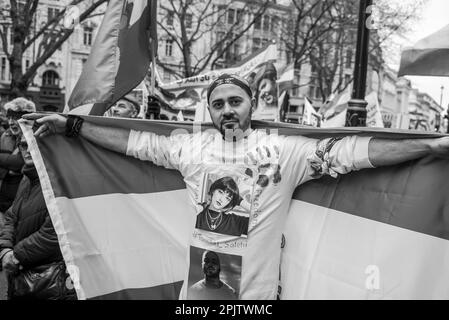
50,78
168,47
87,36
314,89
258,23
3,69
11,35
232,53
289,56
51,13
275,23
231,16
349,54
257,44
266,23
188,21
220,37
170,18
27,64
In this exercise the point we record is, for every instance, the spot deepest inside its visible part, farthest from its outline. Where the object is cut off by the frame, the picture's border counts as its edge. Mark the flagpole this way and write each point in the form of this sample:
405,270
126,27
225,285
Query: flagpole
356,114
153,69
153,48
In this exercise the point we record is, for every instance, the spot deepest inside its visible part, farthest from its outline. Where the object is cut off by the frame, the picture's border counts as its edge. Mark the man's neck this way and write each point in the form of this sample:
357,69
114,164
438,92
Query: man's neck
213,282
236,135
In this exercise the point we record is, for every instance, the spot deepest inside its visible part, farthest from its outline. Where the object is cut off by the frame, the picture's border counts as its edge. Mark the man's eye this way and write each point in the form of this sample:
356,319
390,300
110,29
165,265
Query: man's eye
235,102
218,105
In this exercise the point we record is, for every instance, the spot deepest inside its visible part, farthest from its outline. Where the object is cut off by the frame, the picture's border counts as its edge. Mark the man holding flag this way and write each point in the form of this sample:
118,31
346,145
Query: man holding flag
237,150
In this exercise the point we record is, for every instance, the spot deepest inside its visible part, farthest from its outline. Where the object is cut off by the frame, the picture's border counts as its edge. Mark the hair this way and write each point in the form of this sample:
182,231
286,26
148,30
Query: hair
209,251
227,184
20,105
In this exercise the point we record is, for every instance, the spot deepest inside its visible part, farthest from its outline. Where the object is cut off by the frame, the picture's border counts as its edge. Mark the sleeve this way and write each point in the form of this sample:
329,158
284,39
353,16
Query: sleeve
10,161
161,150
38,246
311,159
7,233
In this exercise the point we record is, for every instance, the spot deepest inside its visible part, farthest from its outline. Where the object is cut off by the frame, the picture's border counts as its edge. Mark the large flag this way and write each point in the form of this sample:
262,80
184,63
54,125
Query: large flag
428,57
123,230
120,56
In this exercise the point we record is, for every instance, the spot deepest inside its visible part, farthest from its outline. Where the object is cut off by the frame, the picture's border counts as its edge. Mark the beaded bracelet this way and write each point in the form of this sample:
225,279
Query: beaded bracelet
73,126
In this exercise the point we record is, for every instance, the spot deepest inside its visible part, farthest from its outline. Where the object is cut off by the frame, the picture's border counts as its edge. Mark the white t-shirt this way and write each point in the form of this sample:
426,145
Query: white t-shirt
253,178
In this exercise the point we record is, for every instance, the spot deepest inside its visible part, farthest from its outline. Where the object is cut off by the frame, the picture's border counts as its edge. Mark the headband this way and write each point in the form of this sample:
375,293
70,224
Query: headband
228,79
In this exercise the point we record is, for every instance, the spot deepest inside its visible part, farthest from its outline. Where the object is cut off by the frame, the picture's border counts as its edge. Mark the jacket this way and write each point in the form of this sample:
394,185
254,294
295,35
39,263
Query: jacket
11,163
28,229
10,158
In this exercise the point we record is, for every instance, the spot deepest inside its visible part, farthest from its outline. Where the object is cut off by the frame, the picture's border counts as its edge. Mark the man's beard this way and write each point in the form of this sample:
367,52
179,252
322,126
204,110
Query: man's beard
234,132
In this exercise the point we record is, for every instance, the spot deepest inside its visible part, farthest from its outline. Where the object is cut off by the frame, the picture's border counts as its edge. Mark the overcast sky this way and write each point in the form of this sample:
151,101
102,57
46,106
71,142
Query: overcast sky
434,17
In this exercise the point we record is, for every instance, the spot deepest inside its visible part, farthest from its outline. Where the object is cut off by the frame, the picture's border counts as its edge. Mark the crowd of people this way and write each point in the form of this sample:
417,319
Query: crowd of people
28,241
29,244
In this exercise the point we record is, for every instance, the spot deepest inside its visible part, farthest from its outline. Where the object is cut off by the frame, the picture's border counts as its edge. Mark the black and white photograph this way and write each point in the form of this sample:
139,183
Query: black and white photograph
225,208
213,276
135,135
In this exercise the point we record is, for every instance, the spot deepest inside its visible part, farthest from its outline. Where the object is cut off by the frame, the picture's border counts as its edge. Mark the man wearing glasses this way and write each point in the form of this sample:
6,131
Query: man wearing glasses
11,161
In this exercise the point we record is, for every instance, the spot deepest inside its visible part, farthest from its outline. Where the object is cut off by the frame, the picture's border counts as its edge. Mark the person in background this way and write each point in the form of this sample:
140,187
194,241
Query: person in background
28,238
126,107
11,161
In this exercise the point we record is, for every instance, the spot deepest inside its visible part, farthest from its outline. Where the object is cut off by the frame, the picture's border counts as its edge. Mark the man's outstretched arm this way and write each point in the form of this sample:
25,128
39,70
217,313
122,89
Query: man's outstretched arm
115,139
384,152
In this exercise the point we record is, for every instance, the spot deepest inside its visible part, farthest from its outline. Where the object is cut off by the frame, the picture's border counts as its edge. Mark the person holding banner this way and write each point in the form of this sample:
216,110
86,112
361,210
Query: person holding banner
234,147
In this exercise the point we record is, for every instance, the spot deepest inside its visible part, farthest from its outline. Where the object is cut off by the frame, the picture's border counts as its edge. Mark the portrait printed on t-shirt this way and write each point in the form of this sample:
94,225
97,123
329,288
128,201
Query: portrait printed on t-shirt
225,204
213,275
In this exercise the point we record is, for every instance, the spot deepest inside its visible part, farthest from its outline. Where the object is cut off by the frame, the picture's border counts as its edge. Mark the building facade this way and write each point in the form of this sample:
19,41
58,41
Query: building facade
56,77
219,35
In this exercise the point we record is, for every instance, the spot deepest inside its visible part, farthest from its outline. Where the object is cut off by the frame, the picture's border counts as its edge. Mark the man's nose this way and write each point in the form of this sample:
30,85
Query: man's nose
228,109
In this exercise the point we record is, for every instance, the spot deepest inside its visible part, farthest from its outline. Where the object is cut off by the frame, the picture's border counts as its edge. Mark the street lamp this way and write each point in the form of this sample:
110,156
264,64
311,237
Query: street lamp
356,115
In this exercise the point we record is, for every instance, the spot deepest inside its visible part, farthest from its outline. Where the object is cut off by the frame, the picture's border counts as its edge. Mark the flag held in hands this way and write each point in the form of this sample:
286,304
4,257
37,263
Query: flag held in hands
124,230
429,57
120,56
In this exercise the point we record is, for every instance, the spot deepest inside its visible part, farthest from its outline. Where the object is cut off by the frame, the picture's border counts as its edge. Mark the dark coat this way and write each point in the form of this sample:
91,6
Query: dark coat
28,229
11,164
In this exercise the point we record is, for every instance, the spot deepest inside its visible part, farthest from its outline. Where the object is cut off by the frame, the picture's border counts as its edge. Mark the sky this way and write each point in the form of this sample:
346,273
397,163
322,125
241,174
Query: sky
433,17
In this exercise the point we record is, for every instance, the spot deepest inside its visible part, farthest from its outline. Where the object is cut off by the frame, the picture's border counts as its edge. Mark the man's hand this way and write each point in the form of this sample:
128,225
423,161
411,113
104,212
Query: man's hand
9,263
440,147
49,124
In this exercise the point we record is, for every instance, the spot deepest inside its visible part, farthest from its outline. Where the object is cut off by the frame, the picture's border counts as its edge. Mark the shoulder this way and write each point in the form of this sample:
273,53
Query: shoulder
228,288
237,217
198,285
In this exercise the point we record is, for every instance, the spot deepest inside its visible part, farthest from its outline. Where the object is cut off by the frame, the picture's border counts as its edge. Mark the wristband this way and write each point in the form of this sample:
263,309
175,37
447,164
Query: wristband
73,126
